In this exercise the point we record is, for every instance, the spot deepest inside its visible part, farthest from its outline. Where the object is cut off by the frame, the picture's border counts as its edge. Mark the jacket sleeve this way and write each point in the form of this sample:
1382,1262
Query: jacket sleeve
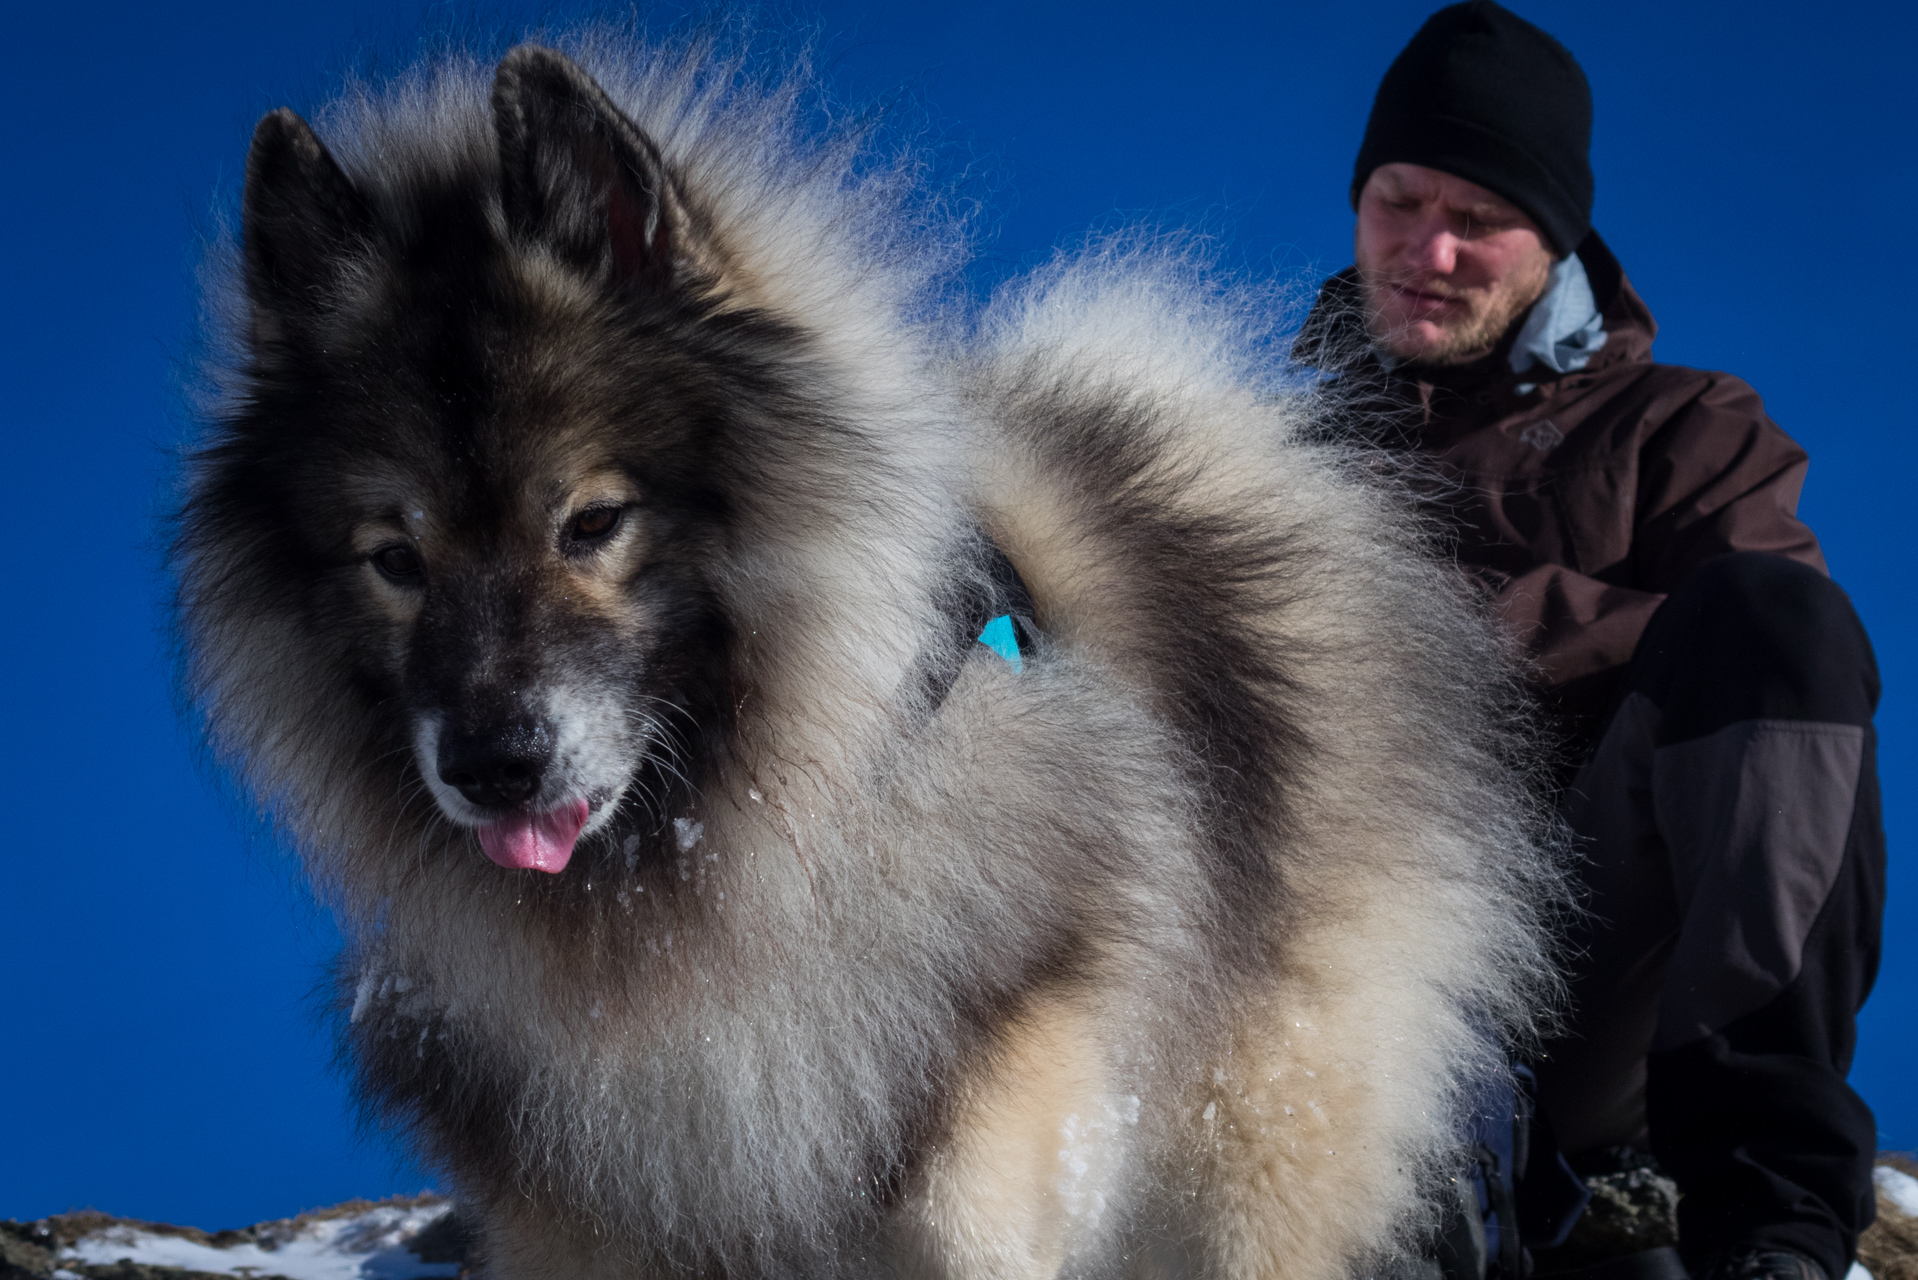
1570,624
1716,475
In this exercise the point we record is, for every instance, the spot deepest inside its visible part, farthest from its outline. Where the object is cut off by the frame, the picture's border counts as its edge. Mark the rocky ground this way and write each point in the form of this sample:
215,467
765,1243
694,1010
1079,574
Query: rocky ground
400,1239
418,1237
1637,1209
1890,1249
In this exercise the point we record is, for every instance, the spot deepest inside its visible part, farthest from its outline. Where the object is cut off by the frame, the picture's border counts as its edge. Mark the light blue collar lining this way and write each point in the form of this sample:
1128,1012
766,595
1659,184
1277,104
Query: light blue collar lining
1000,637
1564,329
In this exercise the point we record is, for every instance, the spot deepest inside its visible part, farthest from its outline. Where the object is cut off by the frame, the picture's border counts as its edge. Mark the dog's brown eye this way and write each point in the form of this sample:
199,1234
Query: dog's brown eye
397,562
594,524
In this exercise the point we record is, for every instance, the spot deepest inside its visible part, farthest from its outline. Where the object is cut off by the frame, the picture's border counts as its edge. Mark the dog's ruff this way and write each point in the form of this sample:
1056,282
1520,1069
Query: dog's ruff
1169,954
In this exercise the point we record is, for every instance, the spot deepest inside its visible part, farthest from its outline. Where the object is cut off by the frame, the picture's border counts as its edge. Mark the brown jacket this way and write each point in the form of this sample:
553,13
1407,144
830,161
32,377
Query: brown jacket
1582,499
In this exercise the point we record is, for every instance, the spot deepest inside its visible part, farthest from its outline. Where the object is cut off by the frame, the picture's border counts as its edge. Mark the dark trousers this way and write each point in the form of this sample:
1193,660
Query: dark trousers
1734,858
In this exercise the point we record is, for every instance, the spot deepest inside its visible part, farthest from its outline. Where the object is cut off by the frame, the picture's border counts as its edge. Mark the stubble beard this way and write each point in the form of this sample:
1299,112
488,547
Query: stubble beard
1472,336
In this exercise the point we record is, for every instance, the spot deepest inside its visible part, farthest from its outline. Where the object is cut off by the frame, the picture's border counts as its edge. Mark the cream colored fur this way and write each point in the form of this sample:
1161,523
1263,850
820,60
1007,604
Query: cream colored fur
1336,1090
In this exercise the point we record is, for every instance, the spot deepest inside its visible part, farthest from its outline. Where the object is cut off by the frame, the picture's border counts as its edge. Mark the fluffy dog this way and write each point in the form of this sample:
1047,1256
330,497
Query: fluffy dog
584,563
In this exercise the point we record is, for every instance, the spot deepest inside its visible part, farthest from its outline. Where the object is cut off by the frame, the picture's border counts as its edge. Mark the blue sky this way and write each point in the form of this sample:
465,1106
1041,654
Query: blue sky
1755,175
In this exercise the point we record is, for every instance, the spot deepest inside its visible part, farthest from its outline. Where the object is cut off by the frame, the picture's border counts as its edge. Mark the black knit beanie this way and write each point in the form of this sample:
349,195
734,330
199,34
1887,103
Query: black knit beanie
1484,95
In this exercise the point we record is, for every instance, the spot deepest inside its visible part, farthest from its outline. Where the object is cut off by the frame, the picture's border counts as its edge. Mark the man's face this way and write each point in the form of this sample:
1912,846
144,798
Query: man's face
1446,265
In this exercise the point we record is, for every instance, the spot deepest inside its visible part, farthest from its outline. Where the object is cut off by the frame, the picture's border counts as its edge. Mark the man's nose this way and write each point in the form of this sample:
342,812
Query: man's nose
1436,251
1431,248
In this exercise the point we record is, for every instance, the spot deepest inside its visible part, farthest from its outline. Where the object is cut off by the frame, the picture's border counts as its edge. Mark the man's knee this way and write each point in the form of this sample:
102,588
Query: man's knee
1754,636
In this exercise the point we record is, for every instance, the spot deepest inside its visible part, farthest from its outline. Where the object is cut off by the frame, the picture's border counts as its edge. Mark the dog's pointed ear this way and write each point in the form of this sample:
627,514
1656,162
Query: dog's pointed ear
301,215
580,178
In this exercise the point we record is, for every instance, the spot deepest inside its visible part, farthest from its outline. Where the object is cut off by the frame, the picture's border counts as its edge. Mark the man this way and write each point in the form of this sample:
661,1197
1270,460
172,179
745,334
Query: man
1634,524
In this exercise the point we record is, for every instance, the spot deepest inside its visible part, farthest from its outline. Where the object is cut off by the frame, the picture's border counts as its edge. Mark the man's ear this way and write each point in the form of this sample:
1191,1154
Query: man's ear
580,178
301,215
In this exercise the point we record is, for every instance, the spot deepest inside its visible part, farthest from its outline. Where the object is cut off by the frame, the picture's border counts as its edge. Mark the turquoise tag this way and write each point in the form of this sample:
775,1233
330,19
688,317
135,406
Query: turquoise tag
1003,640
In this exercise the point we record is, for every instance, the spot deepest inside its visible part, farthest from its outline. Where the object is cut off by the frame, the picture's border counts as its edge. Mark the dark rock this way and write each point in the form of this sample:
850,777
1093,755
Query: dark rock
444,1241
1632,1210
26,1250
125,1269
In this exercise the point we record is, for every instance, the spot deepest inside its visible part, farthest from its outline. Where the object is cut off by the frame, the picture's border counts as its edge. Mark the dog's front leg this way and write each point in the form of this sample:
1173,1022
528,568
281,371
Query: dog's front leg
1031,1173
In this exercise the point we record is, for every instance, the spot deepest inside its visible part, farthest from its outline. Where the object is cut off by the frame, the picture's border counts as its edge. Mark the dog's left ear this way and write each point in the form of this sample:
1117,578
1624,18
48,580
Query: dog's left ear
580,178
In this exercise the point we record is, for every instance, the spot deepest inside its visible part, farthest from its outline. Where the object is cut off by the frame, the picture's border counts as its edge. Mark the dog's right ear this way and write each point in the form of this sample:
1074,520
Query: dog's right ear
580,178
301,215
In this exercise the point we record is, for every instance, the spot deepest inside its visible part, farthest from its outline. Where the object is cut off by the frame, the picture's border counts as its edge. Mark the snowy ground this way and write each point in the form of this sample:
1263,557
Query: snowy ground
414,1239
398,1240
1898,1187
1890,1248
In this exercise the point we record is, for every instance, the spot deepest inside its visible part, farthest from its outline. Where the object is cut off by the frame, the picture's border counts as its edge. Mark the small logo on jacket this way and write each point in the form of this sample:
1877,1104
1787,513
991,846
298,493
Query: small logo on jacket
1543,436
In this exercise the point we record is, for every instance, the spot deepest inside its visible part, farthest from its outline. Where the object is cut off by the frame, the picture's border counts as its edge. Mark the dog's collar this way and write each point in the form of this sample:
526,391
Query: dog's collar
996,615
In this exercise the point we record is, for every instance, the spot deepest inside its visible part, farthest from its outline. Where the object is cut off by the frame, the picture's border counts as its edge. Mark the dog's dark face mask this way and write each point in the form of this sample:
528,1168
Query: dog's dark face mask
478,456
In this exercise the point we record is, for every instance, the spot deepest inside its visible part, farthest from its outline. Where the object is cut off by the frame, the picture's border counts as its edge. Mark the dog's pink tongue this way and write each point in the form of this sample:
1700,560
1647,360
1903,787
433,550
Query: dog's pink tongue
537,842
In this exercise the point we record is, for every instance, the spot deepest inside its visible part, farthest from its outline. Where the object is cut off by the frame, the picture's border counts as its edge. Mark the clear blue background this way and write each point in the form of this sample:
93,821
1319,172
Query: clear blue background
1755,174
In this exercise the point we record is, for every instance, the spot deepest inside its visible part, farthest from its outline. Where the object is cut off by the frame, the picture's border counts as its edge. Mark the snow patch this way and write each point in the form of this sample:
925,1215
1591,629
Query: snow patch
1090,1156
366,1246
1898,1187
362,995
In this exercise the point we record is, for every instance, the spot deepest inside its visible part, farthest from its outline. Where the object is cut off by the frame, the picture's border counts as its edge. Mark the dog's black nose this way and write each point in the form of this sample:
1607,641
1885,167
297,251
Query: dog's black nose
497,768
